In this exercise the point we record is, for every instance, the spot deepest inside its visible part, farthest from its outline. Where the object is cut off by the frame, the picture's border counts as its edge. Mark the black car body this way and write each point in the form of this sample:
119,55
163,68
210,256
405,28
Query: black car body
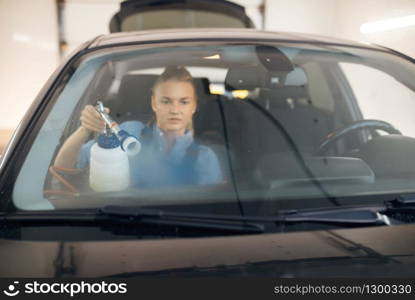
336,213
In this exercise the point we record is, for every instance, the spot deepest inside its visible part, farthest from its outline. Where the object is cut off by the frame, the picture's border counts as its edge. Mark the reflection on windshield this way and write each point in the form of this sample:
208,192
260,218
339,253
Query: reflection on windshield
237,129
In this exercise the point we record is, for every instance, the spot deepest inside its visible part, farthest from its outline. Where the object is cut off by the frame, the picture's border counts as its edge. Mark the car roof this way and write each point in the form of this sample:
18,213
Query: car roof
176,35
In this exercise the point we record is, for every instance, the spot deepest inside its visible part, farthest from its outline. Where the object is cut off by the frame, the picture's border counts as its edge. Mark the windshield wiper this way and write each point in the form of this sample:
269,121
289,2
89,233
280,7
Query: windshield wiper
354,215
401,204
232,223
160,217
345,216
377,215
123,215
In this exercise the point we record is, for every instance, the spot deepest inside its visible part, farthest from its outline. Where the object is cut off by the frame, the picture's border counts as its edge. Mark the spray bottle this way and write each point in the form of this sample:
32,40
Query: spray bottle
109,167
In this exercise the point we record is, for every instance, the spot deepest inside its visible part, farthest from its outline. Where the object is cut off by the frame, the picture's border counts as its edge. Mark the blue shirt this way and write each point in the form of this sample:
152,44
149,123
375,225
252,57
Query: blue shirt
153,166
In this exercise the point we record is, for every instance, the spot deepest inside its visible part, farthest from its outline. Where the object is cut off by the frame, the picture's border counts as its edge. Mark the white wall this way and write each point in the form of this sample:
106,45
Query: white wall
352,13
342,19
311,16
29,54
86,19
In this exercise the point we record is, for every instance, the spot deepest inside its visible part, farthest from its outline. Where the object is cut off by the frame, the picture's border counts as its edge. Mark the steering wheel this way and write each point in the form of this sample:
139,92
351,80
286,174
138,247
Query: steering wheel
358,125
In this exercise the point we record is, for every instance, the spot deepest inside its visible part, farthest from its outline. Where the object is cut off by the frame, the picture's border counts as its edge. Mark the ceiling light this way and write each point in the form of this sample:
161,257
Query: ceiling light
388,24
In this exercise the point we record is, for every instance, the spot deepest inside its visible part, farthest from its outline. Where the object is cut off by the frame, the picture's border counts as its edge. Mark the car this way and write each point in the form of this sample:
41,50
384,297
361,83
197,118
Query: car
137,15
315,141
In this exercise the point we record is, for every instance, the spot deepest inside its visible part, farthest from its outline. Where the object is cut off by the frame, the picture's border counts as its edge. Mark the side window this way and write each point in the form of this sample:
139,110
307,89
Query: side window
382,97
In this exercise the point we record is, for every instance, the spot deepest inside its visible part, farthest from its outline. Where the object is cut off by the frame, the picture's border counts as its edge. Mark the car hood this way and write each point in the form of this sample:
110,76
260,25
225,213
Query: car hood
369,252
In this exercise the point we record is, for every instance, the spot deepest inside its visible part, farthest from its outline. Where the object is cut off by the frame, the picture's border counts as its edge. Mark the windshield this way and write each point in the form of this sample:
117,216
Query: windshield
236,128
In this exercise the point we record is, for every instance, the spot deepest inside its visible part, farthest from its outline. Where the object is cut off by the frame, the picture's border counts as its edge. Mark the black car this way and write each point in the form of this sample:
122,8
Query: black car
315,139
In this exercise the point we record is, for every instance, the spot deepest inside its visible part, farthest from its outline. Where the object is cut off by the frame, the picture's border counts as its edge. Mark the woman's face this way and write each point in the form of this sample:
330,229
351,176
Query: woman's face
174,103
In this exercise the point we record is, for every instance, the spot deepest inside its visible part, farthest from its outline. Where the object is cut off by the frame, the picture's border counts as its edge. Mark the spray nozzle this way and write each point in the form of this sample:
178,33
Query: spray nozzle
129,143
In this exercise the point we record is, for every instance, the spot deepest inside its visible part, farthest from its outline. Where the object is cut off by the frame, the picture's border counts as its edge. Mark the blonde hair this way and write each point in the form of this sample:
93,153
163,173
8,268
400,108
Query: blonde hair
176,73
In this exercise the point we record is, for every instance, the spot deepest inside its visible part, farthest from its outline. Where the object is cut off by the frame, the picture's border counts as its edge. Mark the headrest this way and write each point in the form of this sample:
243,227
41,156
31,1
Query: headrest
294,87
202,85
251,77
296,77
245,78
134,97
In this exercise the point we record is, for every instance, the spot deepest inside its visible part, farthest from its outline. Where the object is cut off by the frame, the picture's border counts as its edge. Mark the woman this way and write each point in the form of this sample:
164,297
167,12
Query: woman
169,154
